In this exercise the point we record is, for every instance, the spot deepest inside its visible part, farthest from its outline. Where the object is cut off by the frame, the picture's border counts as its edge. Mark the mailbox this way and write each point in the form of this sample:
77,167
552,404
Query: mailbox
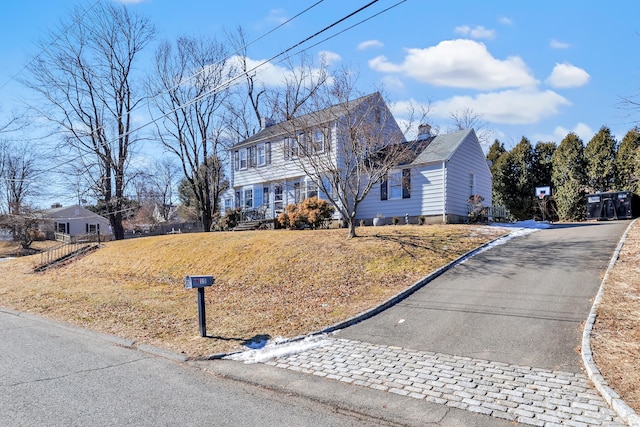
193,282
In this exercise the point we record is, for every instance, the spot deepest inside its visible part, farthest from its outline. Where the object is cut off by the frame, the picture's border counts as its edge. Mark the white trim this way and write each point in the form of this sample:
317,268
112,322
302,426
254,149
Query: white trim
444,191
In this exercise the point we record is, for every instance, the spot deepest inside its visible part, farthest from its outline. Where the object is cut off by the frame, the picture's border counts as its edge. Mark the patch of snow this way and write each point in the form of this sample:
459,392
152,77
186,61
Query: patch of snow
520,228
277,349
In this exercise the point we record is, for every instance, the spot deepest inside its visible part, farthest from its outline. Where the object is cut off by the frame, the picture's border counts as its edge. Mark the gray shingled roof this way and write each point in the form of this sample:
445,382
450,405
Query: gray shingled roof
442,147
308,120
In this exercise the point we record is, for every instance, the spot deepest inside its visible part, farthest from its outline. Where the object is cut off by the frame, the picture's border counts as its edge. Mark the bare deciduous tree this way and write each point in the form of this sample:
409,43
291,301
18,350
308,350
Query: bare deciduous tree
369,144
469,119
17,175
87,73
188,90
18,183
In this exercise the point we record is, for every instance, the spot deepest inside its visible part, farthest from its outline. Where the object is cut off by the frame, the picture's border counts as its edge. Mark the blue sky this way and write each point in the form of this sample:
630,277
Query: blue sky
536,69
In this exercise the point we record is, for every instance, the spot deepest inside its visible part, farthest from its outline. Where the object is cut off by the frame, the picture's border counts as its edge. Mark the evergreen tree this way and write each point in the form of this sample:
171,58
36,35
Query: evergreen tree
503,182
600,155
569,178
521,202
542,163
495,151
628,162
542,170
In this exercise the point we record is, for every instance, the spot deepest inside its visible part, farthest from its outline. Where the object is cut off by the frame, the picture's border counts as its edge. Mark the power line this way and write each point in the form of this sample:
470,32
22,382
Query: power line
234,79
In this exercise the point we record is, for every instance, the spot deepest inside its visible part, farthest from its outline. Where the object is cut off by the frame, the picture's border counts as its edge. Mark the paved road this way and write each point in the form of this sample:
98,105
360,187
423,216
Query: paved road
497,335
52,375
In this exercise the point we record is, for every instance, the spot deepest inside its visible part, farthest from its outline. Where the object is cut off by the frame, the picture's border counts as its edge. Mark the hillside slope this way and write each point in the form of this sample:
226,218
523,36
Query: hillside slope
268,283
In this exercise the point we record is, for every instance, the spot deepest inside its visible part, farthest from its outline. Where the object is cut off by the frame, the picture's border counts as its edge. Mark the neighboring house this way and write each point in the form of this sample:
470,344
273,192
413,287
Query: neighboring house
74,221
435,182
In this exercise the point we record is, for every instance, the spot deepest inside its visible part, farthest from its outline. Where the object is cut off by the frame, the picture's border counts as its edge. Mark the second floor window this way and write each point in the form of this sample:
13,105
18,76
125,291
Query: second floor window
260,155
290,148
243,158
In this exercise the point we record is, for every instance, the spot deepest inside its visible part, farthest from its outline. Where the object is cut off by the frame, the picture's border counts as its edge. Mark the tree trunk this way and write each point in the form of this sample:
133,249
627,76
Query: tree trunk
351,224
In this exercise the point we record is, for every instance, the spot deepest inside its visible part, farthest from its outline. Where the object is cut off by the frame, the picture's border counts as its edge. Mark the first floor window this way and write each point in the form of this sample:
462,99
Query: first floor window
227,203
472,184
265,196
397,185
312,189
248,198
296,192
278,200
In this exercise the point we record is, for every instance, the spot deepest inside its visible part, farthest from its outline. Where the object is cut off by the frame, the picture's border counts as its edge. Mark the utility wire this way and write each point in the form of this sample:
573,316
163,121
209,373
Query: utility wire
232,80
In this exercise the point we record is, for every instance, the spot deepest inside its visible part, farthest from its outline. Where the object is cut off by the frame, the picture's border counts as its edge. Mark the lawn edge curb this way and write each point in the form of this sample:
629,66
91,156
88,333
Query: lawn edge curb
623,410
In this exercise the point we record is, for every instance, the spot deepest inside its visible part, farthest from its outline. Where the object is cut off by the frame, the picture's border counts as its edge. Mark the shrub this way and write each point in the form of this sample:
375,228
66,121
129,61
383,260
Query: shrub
395,220
422,220
312,212
316,211
292,217
231,218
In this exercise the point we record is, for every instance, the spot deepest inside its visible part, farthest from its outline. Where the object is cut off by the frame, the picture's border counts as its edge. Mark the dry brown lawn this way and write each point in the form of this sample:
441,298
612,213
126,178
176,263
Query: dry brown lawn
275,283
616,337
284,284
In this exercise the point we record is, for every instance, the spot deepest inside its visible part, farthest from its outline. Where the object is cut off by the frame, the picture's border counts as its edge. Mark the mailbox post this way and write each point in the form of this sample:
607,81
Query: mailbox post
200,282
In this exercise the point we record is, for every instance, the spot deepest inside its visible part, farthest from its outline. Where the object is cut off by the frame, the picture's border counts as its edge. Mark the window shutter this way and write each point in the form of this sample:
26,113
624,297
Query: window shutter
383,189
406,183
236,157
267,153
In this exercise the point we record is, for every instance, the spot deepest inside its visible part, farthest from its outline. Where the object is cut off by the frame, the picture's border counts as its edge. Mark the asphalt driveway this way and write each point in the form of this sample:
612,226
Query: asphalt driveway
521,303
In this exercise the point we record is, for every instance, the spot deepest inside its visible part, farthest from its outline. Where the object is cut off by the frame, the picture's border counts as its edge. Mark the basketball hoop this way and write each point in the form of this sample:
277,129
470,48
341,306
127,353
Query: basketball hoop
542,193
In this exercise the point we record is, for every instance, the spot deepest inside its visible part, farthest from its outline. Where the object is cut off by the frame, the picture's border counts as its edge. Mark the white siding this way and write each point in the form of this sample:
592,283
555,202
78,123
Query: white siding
426,196
467,159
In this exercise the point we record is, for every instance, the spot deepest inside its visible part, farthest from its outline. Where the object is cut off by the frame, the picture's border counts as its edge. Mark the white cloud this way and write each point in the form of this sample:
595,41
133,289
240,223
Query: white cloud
329,57
459,63
505,21
506,107
277,16
567,75
584,132
478,32
556,44
393,82
370,44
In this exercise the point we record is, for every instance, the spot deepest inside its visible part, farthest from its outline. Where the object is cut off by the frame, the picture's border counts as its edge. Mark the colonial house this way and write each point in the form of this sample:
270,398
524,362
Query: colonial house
268,173
73,221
